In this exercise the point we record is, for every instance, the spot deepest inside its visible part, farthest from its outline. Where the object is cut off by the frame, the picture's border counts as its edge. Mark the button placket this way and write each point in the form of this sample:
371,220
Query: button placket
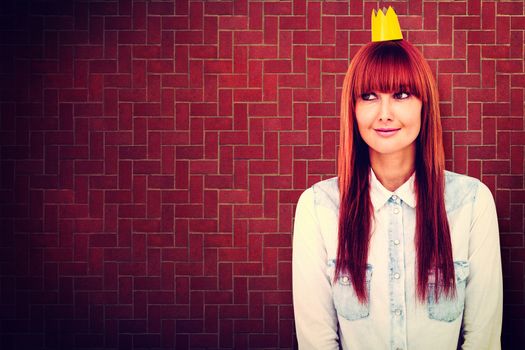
397,283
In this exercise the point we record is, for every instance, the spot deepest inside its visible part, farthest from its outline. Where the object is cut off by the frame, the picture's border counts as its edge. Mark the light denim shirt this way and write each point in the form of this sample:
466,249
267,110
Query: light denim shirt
327,313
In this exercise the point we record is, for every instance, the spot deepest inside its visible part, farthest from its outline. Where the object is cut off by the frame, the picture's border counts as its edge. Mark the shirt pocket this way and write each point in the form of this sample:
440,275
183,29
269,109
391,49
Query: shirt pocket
445,308
345,300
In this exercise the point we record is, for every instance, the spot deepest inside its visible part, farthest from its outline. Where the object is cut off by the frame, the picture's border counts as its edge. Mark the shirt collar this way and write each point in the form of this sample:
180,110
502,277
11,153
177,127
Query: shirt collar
379,195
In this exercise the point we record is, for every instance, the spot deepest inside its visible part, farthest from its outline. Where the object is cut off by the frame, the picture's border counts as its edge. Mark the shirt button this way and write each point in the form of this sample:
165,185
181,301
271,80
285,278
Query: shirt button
396,241
396,210
398,312
394,198
345,279
396,276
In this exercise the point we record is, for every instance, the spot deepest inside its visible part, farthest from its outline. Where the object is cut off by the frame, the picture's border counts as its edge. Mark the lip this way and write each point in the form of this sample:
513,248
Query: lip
386,132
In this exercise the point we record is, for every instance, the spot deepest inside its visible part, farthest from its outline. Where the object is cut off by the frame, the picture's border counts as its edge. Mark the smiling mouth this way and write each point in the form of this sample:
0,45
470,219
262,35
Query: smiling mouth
387,131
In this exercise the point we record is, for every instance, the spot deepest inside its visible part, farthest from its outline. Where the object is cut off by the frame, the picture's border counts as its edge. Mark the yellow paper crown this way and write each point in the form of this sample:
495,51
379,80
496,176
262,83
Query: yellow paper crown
385,25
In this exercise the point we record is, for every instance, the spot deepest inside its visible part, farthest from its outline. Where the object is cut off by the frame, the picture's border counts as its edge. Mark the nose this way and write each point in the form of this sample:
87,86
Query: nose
385,112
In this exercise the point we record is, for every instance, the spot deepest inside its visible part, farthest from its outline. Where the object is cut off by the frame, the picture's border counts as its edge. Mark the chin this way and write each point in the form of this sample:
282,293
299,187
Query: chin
390,149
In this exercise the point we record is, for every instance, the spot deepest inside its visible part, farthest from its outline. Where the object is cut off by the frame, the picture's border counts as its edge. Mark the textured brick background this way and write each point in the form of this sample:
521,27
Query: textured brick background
152,153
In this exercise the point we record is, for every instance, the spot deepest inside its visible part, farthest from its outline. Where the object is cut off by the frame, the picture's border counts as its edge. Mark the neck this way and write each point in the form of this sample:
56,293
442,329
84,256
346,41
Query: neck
392,170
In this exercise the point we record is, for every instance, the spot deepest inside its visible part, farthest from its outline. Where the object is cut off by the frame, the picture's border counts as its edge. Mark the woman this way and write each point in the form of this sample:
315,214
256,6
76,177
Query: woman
396,252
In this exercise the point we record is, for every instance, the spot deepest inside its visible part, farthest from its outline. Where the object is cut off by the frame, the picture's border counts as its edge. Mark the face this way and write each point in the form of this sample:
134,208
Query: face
389,123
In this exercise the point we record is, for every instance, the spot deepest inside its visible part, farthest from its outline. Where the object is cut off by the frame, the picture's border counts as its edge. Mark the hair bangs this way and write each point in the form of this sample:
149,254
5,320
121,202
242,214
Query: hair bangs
386,68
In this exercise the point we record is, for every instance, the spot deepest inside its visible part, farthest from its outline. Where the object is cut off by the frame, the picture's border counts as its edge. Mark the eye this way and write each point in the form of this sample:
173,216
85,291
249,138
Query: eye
401,95
368,96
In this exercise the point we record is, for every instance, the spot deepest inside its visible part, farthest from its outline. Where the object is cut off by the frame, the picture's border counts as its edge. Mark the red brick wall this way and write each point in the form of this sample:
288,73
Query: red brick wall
152,153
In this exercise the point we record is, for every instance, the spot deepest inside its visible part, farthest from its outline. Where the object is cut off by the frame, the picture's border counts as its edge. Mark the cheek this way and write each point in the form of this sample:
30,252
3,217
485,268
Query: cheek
414,119
416,124
362,127
364,118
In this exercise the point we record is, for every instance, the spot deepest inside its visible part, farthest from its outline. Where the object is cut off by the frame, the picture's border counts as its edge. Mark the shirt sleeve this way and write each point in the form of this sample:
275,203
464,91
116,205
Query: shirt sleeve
484,291
315,316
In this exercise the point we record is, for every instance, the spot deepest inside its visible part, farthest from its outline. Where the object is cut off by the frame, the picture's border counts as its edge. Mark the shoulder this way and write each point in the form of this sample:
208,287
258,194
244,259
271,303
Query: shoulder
322,194
462,190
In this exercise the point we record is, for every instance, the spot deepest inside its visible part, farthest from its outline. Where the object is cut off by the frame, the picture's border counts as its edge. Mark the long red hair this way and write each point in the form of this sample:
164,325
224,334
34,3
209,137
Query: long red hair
393,66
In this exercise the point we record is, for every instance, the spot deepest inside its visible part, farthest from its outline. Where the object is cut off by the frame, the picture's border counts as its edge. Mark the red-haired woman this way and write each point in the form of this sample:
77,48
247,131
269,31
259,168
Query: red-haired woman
396,252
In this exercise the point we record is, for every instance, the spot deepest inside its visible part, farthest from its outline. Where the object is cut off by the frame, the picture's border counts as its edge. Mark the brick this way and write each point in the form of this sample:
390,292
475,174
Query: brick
481,37
299,61
293,23
496,167
328,29
277,8
306,37
314,16
262,51
248,37
474,63
334,66
341,44
509,66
